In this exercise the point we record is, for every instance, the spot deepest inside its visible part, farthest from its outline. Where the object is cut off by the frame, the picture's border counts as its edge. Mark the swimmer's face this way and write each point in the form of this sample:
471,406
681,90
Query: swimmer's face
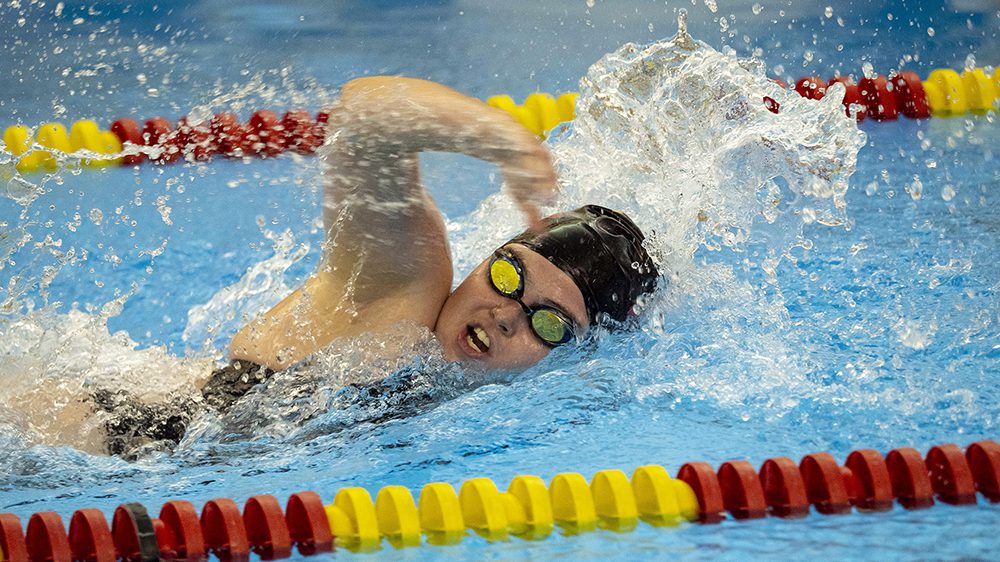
480,326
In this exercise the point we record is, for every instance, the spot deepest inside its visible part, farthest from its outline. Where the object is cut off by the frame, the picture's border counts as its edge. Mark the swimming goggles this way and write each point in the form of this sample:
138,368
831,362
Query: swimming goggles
549,324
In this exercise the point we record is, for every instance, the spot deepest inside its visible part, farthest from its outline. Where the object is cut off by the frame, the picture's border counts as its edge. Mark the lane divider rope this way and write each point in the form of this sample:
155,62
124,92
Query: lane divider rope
945,92
528,509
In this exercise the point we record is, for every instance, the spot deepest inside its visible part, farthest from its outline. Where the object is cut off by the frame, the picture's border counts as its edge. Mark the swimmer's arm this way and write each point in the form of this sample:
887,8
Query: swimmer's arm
386,256
386,119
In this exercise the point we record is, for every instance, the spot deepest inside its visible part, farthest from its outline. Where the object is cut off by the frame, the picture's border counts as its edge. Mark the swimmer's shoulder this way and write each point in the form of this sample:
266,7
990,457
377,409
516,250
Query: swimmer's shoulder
320,311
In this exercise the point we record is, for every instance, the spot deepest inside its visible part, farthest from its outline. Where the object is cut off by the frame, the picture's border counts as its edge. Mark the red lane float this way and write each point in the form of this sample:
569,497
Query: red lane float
129,133
910,97
772,105
159,133
911,483
47,539
784,490
230,135
12,540
134,534
196,141
984,461
308,525
702,479
852,96
267,530
182,519
301,133
225,534
90,537
873,487
879,100
950,475
811,87
825,486
742,494
266,136
166,539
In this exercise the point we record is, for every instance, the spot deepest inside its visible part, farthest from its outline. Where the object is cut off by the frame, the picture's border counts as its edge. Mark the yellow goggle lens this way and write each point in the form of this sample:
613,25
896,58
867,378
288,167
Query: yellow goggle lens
505,277
548,326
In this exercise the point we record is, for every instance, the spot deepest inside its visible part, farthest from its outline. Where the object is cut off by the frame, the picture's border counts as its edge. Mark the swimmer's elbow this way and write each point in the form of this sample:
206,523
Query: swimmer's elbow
365,86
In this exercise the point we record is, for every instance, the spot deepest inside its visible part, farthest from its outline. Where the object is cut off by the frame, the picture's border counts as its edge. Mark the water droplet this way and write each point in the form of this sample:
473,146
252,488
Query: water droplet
828,11
757,9
590,3
947,192
723,24
930,32
96,216
970,62
916,189
868,70
712,5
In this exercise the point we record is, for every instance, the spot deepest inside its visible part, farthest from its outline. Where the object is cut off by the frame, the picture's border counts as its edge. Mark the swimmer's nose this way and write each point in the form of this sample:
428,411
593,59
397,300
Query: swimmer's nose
507,314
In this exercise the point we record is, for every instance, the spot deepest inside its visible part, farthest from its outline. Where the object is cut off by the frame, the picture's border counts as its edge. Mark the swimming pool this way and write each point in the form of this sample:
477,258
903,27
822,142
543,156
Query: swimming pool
880,335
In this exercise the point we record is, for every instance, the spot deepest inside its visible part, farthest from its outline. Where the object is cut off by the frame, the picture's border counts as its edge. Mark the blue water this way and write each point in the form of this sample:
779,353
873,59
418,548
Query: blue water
883,334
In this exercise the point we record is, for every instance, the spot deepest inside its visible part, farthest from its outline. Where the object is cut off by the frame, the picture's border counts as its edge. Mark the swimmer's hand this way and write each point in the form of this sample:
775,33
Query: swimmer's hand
530,178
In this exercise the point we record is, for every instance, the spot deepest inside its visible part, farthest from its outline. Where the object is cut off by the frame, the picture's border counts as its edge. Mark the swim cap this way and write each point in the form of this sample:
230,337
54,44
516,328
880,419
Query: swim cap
601,250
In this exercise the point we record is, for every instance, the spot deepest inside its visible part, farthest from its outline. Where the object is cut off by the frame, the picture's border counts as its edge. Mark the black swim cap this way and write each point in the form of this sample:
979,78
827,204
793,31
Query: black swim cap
602,251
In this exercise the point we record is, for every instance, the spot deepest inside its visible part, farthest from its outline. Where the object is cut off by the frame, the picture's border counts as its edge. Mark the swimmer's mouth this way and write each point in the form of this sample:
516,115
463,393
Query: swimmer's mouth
477,338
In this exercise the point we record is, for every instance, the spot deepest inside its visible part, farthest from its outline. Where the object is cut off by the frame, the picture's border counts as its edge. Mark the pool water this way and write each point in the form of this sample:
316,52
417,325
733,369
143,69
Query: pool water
880,331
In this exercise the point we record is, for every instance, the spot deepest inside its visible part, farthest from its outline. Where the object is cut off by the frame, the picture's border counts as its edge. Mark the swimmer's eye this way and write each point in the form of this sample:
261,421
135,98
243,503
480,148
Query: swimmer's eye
548,324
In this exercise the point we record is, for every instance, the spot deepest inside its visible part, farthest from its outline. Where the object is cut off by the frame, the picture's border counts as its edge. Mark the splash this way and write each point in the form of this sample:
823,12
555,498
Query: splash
53,364
680,137
677,135
260,288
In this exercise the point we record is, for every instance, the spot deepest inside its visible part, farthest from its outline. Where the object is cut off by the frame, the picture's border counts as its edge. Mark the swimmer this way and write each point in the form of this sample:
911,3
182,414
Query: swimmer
386,259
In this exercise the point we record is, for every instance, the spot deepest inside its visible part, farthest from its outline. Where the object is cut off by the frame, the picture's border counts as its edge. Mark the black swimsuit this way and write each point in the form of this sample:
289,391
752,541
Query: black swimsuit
135,423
